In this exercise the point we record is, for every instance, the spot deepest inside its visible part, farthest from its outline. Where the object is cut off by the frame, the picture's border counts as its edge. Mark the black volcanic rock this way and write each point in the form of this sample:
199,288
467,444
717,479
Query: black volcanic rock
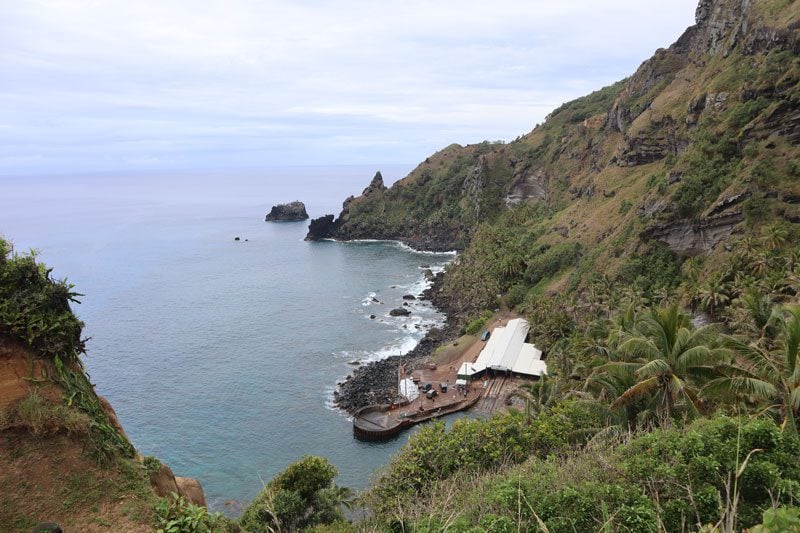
323,227
291,212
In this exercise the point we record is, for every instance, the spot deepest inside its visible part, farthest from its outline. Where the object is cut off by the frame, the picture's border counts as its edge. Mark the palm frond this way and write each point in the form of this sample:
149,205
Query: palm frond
654,368
637,391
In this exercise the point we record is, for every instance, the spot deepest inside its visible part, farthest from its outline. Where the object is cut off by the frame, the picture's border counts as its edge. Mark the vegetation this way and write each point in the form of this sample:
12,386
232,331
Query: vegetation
35,309
673,392
302,496
42,417
673,479
175,515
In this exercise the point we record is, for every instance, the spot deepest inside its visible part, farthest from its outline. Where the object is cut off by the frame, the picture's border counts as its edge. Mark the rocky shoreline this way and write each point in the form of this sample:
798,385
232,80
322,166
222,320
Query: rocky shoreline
376,382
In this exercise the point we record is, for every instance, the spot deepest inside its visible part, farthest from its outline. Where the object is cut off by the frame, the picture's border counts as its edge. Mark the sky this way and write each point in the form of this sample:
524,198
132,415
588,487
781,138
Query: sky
93,85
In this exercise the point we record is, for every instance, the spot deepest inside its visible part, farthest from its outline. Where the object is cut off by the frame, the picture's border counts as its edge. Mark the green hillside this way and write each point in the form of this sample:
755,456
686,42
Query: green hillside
648,232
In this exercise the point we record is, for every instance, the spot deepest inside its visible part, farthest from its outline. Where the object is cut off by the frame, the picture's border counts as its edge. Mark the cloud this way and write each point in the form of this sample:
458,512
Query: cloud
111,84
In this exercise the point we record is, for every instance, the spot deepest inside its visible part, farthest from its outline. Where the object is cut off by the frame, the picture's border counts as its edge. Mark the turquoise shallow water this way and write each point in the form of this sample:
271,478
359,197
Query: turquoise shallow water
220,357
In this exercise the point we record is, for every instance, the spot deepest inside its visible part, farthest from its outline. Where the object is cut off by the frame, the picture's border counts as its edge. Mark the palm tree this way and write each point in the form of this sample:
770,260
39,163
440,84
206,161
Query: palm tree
713,295
665,354
766,371
752,312
777,235
538,396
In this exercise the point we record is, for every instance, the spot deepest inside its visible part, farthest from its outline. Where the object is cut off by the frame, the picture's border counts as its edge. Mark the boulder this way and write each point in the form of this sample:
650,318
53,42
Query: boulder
191,489
163,481
399,312
409,297
291,212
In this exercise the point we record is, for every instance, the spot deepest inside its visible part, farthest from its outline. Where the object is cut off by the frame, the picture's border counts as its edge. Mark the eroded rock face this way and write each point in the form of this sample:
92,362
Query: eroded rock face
527,186
291,212
695,237
660,142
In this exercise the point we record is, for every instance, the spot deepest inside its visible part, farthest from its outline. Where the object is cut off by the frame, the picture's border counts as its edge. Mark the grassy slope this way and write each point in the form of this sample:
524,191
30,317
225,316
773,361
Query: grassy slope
593,200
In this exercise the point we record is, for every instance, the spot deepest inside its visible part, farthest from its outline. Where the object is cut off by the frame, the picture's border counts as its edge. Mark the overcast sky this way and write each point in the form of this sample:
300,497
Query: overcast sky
136,84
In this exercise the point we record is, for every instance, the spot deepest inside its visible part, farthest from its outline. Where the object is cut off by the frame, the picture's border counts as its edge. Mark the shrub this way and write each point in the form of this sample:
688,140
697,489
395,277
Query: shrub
301,496
175,515
552,260
477,324
35,308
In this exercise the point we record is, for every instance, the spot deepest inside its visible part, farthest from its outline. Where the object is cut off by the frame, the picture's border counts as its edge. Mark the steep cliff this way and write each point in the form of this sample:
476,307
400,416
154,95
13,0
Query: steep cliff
698,146
63,453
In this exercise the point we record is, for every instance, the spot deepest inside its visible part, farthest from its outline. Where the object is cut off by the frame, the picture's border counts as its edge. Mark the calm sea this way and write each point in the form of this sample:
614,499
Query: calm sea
220,357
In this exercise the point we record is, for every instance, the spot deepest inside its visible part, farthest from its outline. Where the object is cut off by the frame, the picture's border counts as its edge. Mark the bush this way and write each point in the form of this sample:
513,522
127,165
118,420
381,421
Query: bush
710,168
552,260
175,515
656,269
477,324
301,496
35,309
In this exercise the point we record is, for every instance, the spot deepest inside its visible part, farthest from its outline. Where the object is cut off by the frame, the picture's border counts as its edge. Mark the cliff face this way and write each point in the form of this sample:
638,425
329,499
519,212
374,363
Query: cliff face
62,448
713,117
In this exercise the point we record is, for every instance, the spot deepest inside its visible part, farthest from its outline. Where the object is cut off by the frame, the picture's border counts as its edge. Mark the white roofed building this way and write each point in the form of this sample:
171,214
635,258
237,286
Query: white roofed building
507,351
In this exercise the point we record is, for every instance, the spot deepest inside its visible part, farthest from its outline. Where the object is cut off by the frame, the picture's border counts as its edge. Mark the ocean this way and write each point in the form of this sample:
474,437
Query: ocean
221,356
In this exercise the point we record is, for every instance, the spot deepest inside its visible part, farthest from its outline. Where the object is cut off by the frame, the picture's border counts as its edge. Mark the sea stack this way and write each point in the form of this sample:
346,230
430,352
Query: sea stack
291,212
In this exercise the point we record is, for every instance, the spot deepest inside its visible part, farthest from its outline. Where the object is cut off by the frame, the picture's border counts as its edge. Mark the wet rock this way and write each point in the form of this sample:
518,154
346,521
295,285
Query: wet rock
399,312
376,382
409,297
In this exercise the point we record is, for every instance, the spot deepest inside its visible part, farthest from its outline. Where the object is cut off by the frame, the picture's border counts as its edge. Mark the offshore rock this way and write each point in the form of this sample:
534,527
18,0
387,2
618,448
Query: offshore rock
291,212
399,312
323,227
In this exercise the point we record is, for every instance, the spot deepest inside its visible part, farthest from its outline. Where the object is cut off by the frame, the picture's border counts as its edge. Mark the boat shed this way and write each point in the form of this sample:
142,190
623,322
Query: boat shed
507,351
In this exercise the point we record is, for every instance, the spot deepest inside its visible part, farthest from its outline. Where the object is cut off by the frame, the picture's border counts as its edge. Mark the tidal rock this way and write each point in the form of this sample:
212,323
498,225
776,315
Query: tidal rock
399,312
409,297
291,212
